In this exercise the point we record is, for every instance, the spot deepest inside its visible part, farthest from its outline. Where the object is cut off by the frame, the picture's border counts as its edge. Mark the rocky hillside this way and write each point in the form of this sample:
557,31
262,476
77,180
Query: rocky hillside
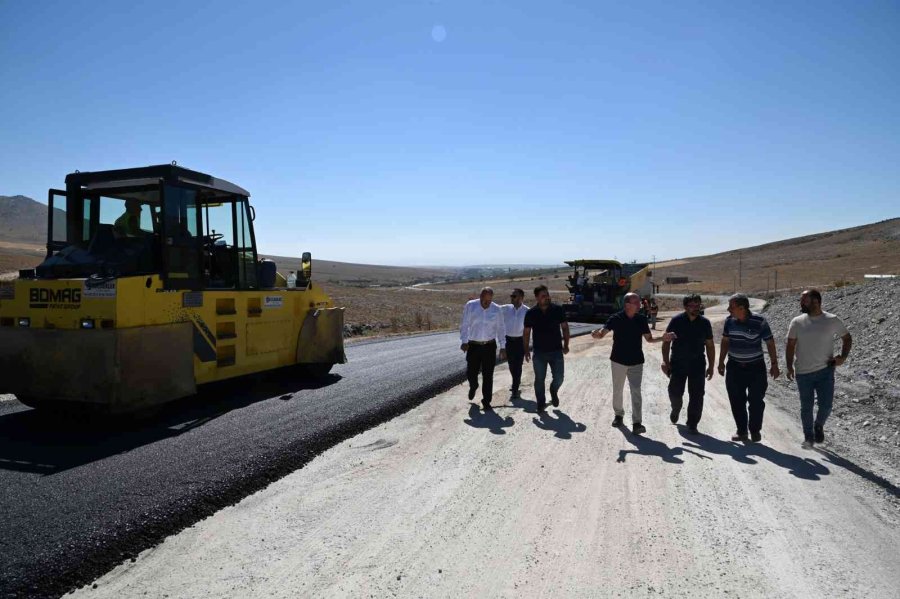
22,219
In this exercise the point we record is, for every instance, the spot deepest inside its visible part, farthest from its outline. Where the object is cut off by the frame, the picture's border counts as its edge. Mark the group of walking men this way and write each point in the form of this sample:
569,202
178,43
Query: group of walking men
540,335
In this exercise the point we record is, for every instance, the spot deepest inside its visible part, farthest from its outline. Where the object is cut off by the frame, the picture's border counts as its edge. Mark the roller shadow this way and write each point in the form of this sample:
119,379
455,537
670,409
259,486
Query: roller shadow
489,420
31,441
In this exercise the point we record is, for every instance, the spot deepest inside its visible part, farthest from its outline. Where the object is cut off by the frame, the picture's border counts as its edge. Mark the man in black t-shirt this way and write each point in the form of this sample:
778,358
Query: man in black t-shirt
546,321
629,327
694,337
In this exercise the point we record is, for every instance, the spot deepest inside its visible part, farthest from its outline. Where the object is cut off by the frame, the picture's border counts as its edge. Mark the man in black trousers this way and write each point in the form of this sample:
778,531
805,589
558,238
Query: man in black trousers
514,321
693,335
480,332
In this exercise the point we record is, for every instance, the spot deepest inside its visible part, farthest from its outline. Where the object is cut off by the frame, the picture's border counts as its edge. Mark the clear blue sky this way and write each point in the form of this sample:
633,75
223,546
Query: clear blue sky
427,132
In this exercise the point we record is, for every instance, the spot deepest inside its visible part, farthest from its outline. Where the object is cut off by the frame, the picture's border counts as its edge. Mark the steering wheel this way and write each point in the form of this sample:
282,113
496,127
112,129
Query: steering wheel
211,240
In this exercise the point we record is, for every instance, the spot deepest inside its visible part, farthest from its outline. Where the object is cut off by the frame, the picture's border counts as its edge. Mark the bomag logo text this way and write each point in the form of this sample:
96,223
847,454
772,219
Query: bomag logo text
65,299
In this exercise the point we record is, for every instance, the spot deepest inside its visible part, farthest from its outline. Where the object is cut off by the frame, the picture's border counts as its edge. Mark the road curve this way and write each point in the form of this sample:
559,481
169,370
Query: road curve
76,499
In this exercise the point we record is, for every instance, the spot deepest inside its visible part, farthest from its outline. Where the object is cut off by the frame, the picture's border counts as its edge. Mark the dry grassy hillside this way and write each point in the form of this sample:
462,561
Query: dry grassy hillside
822,260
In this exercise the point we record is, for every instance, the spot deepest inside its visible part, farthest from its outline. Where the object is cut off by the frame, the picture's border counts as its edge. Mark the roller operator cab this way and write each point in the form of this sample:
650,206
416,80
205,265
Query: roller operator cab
152,286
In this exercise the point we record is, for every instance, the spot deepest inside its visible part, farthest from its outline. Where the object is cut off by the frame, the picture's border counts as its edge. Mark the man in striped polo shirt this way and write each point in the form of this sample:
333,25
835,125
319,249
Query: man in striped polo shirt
746,380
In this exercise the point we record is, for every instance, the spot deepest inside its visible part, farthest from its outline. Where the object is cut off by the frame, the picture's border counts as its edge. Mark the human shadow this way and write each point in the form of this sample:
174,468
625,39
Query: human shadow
489,420
523,404
870,476
563,426
37,442
647,446
804,468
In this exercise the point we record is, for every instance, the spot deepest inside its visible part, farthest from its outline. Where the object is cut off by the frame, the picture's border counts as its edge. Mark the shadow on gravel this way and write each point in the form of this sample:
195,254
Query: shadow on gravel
489,420
805,468
562,425
647,446
31,441
870,476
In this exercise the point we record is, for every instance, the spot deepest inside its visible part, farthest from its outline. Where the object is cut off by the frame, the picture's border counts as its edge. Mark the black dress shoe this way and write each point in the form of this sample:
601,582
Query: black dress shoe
542,407
472,391
486,405
617,421
638,429
755,437
693,430
554,399
676,412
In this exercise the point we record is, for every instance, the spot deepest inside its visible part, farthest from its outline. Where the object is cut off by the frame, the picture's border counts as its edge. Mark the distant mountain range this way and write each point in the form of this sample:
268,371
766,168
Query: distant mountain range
23,220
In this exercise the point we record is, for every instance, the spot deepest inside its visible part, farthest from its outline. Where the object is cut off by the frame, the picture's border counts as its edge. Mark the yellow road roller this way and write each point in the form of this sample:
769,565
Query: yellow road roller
152,286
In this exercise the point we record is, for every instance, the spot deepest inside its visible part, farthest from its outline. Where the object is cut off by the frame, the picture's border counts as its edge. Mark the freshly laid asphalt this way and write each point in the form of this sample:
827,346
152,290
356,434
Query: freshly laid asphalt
77,498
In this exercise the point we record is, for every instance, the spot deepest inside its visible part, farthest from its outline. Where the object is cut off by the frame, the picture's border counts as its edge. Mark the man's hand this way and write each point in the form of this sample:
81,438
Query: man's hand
528,355
774,371
838,360
464,347
709,372
502,354
596,334
670,337
666,368
790,373
721,368
565,349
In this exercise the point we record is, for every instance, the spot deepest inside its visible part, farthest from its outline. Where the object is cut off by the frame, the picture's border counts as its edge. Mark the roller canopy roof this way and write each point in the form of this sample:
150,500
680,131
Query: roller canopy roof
170,173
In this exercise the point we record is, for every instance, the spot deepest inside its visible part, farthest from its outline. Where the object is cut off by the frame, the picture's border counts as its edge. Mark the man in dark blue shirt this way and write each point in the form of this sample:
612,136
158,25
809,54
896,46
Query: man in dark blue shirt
546,321
629,328
746,382
693,335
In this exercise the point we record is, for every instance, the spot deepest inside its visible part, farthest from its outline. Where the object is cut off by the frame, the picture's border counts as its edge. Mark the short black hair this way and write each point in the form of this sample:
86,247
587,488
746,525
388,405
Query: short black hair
539,288
691,297
519,292
814,294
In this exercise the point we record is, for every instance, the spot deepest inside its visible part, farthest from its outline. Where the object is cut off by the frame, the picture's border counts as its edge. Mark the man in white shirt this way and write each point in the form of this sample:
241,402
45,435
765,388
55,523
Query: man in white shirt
514,321
481,331
811,336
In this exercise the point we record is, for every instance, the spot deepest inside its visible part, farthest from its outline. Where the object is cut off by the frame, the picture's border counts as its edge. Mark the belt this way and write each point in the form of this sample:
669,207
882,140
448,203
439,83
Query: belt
514,336
753,364
482,342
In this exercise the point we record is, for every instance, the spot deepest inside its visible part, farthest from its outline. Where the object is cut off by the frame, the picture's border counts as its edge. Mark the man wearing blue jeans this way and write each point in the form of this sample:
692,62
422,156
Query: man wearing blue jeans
547,322
811,338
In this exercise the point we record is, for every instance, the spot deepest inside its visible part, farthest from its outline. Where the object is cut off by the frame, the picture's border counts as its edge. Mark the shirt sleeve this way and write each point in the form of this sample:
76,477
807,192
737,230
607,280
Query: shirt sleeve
610,324
528,319
464,326
709,333
562,315
792,329
727,326
766,331
645,326
671,326
501,329
840,328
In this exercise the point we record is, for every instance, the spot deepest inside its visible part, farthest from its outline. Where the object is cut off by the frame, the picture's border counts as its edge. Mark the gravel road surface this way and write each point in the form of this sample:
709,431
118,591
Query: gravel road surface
447,501
77,498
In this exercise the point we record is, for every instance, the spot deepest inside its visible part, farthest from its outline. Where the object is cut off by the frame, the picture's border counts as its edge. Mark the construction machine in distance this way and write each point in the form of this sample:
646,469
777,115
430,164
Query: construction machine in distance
597,288
152,286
